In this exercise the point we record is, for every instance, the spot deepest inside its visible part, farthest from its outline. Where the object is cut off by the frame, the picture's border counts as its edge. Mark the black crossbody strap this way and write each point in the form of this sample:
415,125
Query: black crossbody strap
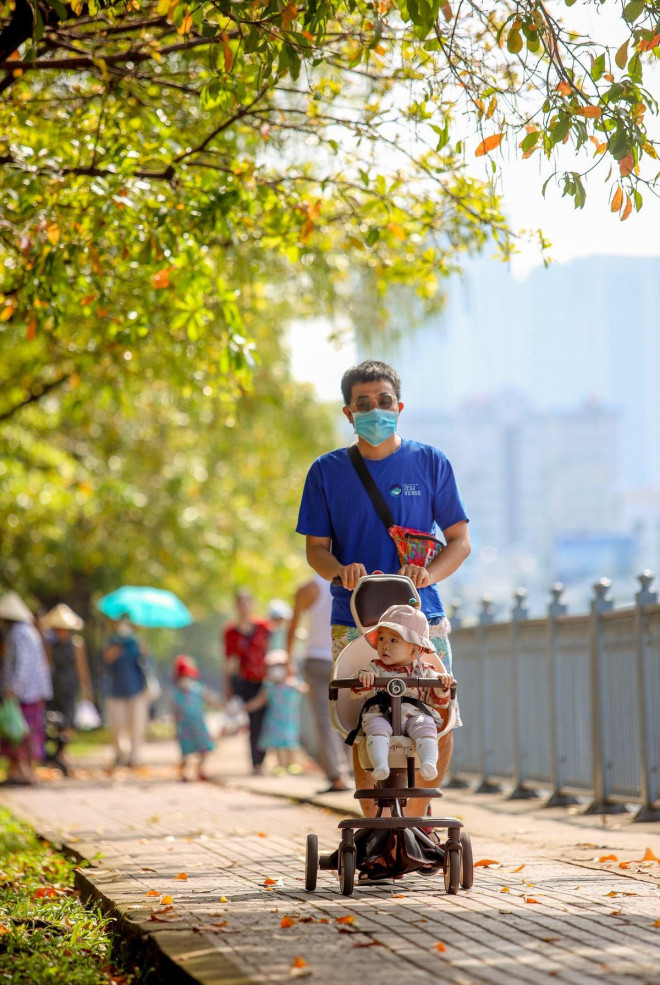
372,489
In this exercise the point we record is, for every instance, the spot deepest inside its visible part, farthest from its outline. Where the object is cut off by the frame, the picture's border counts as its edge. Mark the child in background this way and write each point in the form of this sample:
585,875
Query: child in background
189,698
400,638
281,695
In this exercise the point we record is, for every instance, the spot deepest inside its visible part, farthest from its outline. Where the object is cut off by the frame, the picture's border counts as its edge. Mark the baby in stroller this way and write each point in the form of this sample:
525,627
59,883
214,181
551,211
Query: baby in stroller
400,638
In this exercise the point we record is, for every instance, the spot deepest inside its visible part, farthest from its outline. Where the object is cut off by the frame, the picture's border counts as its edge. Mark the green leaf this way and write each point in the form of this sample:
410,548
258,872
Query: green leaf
598,67
633,10
621,56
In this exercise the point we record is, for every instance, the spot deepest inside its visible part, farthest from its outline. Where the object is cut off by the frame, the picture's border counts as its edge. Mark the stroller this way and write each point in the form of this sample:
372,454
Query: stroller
388,846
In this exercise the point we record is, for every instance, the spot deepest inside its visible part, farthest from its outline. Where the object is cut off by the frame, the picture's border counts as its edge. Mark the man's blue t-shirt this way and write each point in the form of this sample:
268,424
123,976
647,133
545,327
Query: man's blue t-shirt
417,483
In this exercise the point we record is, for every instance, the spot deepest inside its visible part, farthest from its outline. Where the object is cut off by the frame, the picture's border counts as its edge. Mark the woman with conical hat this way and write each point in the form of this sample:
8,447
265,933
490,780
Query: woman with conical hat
25,677
68,661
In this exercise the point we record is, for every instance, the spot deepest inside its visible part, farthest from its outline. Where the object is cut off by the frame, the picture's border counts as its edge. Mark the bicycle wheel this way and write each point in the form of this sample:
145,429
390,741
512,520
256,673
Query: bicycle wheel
311,862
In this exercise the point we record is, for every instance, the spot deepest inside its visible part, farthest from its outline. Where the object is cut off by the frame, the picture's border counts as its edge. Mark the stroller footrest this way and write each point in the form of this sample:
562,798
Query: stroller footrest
400,822
400,793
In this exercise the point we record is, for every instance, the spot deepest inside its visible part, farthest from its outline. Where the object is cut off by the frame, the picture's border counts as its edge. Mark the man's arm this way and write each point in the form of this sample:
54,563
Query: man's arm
304,599
320,558
448,560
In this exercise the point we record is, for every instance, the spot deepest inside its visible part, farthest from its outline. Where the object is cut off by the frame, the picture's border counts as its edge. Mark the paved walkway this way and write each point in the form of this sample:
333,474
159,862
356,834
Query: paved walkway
208,878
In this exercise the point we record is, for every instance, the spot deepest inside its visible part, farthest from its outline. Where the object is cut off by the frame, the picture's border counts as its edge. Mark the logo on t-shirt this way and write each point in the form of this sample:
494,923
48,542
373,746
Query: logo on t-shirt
395,490
407,489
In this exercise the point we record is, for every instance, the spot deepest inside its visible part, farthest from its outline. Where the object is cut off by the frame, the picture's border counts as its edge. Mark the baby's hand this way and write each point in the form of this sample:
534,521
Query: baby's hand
366,678
447,681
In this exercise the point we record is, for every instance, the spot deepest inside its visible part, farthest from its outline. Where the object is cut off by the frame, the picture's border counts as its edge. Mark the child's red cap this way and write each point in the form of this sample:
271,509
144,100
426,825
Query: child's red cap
185,667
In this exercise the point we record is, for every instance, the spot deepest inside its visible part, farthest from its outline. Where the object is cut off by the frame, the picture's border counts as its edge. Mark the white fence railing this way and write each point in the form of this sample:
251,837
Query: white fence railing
567,703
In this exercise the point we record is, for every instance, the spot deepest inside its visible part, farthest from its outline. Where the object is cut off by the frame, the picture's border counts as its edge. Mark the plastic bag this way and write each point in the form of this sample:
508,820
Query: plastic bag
86,717
12,724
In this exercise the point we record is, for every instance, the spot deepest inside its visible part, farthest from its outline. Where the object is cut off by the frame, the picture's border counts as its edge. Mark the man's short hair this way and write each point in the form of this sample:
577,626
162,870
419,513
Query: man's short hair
369,371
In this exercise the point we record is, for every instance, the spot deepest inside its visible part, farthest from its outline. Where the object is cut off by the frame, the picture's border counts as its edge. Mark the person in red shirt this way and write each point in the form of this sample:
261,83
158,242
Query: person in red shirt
245,642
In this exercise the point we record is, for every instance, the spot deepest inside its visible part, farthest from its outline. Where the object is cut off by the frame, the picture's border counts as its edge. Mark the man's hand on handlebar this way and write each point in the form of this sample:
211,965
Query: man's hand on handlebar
350,574
418,576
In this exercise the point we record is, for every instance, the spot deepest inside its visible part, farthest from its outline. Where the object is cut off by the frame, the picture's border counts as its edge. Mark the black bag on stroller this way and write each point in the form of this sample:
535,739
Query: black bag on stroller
386,852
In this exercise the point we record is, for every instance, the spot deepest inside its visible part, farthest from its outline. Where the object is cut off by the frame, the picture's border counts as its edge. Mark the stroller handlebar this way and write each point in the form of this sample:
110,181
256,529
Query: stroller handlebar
428,682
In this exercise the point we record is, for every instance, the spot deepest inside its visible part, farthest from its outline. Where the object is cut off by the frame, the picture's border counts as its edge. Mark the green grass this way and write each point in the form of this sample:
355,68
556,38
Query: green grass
47,935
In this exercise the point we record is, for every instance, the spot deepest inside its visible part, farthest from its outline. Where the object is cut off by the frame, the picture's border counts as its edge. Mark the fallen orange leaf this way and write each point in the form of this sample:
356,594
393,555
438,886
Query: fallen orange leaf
269,882
485,862
349,918
182,875
166,900
530,899
505,889
440,946
657,923
45,892
223,899
287,922
608,858
650,857
520,868
152,892
298,962
261,834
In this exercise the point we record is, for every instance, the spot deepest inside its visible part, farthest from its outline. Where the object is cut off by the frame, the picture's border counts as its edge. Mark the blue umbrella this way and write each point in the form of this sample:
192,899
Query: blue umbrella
146,607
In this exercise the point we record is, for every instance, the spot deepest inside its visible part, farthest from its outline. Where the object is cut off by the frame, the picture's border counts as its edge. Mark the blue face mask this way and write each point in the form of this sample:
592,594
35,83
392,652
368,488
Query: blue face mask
375,426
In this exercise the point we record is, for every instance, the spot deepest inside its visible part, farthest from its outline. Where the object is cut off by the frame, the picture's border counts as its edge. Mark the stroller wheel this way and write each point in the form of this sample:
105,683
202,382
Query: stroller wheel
311,862
467,866
346,870
452,871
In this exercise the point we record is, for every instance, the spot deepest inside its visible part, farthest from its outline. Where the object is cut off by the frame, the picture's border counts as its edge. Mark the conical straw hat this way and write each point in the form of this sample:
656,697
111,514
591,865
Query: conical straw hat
13,607
62,617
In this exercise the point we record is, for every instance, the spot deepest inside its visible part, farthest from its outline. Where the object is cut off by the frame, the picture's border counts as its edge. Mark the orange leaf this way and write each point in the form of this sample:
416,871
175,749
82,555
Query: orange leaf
485,862
166,900
270,882
229,58
88,299
185,25
31,330
591,112
182,875
440,946
608,77
349,918
379,49
261,834
8,310
306,34
447,11
608,858
628,209
287,922
53,233
161,279
617,200
490,143
396,230
152,892
563,89
520,868
657,923
45,892
626,164
307,230
650,857
289,15
530,899
298,962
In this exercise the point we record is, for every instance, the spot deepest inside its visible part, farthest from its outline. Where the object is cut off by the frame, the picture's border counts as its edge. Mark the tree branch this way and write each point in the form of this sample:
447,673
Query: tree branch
35,393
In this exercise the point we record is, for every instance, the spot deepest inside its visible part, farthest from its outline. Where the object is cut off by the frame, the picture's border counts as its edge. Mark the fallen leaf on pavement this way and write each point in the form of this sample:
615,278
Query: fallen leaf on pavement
349,918
182,875
530,899
485,862
650,857
657,923
223,899
608,858
505,889
261,834
298,962
152,892
166,900
269,882
520,868
287,922
440,946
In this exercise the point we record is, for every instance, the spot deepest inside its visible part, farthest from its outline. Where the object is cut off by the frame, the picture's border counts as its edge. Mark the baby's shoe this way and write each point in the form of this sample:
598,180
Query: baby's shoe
380,773
428,771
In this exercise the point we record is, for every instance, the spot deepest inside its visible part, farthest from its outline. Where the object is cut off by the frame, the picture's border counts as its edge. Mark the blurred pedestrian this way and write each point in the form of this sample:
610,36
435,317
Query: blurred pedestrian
246,641
279,614
68,662
280,697
128,701
189,699
313,601
26,678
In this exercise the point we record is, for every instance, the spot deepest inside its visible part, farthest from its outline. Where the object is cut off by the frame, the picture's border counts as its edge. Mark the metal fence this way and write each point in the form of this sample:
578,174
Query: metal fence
567,703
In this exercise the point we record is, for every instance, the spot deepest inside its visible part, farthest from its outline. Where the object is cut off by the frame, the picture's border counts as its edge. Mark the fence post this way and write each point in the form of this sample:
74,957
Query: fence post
486,617
649,728
600,804
518,613
558,798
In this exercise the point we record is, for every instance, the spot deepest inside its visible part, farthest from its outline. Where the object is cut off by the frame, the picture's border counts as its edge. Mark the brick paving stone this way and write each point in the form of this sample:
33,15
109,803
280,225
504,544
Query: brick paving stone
592,921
